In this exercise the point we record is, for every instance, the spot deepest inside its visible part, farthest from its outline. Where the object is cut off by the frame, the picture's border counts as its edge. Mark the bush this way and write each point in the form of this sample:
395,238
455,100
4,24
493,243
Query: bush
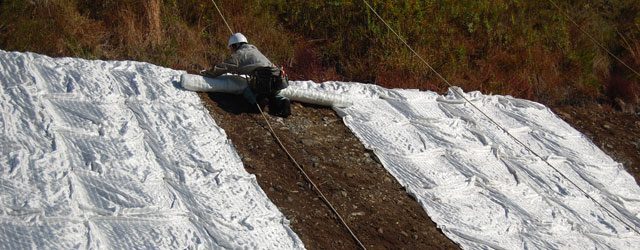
526,49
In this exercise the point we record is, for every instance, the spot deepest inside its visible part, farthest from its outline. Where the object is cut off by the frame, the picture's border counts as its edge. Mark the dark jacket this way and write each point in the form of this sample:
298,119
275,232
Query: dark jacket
243,61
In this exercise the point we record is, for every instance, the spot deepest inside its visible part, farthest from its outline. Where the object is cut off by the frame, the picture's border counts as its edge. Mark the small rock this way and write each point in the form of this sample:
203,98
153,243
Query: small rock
289,199
380,231
271,189
606,126
315,160
387,179
284,128
308,142
358,213
564,115
344,194
624,107
609,146
405,234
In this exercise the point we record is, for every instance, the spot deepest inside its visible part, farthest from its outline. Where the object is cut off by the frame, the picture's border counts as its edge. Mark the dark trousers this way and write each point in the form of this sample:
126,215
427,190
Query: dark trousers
278,104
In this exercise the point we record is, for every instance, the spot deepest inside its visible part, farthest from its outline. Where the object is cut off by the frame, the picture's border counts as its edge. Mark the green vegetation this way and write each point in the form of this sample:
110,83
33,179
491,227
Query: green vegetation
527,49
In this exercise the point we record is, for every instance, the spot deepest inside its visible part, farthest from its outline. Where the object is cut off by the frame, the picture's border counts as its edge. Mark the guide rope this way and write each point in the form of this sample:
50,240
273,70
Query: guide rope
308,179
457,92
304,174
223,19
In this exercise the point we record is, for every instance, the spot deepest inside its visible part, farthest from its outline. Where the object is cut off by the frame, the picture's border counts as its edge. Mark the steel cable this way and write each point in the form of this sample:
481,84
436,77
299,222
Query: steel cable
306,177
457,92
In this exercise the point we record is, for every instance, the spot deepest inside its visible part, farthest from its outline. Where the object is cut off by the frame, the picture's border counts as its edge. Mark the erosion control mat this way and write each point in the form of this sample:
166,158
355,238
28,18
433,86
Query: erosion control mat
615,132
371,201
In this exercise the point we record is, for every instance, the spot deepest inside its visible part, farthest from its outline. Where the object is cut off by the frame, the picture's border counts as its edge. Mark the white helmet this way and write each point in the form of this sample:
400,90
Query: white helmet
237,38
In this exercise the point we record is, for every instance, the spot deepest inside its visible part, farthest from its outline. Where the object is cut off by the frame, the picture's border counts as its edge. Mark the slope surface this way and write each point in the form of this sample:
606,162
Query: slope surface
105,155
480,186
372,202
112,155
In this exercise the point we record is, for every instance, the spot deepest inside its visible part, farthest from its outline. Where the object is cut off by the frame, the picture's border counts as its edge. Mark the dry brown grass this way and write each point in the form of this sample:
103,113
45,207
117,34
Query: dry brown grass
307,65
190,35
393,78
152,13
619,87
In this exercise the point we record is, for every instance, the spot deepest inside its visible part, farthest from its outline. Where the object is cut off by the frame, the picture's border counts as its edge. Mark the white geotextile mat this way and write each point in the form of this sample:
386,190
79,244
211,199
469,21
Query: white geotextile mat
113,155
482,188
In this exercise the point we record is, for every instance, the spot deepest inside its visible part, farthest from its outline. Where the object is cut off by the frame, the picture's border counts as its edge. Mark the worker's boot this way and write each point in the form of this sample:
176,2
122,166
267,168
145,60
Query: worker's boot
285,108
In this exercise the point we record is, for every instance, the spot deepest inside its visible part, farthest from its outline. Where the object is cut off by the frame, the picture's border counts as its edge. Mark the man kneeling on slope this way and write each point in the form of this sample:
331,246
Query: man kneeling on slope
266,80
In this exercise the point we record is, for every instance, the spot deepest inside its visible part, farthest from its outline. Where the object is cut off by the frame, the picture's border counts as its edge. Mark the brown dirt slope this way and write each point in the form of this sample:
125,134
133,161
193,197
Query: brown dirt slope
374,204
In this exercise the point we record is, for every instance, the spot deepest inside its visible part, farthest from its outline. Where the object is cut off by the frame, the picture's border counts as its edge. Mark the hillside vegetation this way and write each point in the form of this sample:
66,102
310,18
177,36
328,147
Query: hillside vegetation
527,49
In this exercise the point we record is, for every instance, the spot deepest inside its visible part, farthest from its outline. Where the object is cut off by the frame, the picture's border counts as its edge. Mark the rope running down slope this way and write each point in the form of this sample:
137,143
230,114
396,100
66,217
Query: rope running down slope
306,177
457,92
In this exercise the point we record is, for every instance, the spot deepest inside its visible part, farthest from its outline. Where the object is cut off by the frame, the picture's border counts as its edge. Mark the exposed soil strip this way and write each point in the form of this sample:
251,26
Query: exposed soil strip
377,208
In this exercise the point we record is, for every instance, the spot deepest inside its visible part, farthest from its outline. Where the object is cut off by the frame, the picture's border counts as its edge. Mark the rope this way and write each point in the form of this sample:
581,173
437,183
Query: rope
225,20
457,92
591,37
308,179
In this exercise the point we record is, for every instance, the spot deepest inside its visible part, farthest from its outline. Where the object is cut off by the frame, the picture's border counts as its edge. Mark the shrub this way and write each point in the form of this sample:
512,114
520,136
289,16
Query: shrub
526,49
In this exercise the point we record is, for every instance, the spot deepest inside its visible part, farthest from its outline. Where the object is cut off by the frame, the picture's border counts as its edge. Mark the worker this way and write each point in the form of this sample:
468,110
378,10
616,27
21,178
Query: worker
266,80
